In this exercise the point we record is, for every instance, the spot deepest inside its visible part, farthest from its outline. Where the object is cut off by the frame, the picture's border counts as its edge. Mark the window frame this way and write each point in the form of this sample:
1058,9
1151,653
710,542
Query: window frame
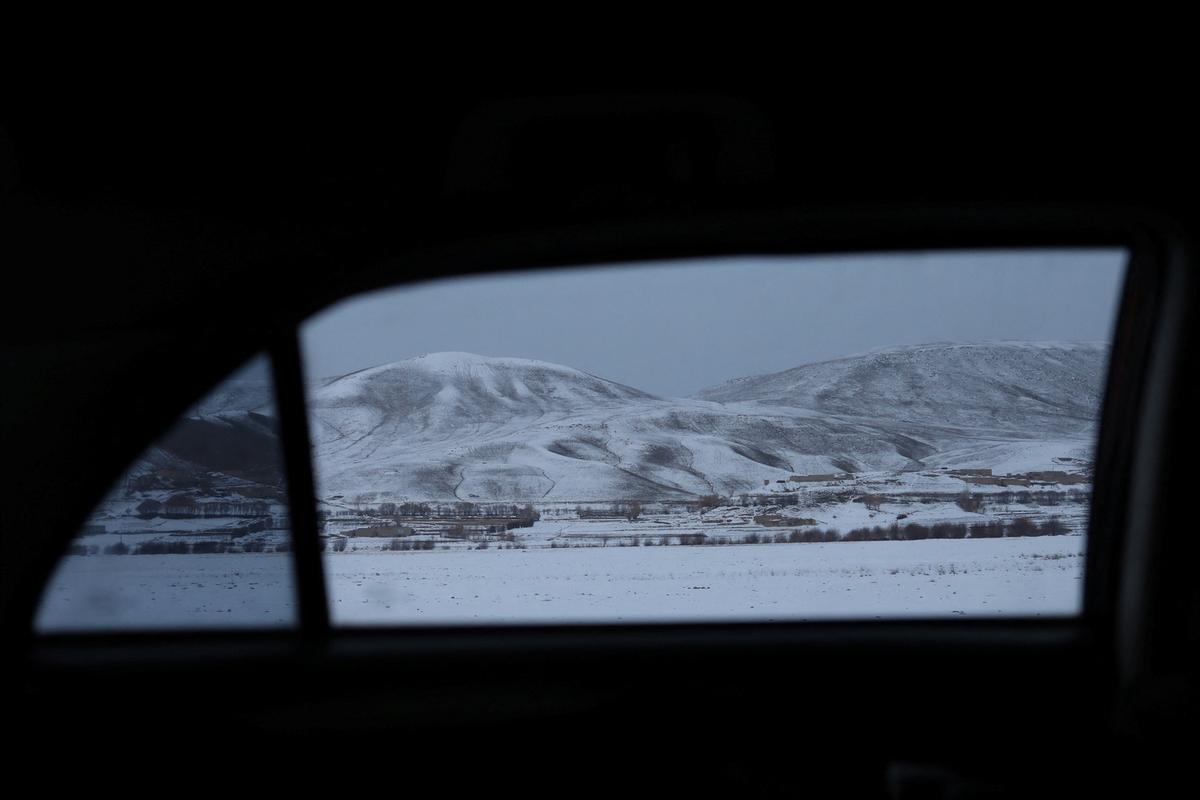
1147,329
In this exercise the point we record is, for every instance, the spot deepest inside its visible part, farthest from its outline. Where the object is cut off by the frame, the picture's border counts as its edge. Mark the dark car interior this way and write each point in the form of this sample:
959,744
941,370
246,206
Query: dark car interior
148,256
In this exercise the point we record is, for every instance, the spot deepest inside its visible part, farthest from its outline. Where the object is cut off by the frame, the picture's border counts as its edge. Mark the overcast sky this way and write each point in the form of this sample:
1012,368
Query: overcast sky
673,328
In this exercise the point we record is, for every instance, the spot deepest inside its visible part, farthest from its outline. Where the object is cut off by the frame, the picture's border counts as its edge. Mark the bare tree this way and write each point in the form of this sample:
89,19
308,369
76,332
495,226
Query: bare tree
969,502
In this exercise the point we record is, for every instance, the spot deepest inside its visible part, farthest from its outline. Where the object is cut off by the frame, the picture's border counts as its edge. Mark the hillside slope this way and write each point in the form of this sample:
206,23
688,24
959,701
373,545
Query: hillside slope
460,426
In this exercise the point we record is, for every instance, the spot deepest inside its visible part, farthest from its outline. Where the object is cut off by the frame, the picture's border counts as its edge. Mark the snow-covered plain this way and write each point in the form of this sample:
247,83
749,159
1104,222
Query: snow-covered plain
110,592
1039,576
846,580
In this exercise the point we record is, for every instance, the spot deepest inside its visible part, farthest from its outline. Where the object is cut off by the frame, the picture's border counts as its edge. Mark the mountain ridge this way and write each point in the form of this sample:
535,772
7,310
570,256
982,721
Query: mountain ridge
1039,386
463,426
459,426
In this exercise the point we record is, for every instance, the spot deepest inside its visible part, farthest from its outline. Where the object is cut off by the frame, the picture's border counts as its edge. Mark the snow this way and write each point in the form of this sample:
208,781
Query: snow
1008,457
457,426
1017,387
449,426
95,593
846,580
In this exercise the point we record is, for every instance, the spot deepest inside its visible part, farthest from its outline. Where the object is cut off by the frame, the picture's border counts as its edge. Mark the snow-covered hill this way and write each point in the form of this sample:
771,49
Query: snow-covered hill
452,426
236,397
1019,387
461,426
457,425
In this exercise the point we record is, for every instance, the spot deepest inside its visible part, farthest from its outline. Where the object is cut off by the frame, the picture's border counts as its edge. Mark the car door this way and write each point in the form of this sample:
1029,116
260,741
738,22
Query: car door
1012,703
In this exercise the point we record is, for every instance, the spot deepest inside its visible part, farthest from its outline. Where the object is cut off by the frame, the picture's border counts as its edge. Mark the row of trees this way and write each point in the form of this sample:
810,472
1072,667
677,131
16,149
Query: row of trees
404,544
628,511
184,506
966,500
459,510
1021,526
173,547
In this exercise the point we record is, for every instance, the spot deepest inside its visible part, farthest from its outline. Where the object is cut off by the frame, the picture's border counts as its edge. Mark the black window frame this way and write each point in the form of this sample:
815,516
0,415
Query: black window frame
1147,334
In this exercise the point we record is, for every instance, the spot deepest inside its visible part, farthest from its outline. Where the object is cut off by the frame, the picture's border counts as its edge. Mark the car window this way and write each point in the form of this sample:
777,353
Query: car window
194,534
758,438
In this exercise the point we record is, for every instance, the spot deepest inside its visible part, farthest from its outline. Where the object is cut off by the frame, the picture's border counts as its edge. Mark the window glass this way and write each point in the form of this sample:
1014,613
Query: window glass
857,437
194,534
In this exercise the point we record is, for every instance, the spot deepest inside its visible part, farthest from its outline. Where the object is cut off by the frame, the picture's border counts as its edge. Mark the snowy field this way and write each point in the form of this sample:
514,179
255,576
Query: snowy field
1037,576
105,592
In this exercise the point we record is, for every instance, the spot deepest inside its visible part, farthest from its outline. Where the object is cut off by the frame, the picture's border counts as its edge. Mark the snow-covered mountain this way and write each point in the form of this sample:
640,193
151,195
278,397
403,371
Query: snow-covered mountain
452,426
457,425
1008,406
461,426
1022,387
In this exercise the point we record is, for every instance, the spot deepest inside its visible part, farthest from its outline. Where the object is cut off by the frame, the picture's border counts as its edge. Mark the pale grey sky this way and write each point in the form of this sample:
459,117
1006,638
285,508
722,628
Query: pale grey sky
673,328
